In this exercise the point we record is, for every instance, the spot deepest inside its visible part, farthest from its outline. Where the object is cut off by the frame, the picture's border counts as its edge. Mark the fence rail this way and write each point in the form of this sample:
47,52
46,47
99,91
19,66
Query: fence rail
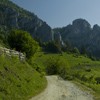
11,53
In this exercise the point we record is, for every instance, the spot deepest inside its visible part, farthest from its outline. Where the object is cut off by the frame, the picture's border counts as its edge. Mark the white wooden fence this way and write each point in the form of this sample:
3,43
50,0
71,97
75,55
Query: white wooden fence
11,53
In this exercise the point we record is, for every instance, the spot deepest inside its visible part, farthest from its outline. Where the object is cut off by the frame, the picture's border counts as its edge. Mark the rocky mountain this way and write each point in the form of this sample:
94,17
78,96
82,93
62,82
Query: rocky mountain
80,34
13,16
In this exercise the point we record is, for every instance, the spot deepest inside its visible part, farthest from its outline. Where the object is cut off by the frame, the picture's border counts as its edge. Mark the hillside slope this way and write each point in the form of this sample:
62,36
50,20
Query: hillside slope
18,80
81,35
73,67
13,16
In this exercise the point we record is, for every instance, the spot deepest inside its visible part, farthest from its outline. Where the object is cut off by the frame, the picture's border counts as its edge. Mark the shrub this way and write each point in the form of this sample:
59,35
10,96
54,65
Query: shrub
97,79
88,70
52,47
84,78
62,72
57,66
76,51
91,79
22,41
52,66
77,74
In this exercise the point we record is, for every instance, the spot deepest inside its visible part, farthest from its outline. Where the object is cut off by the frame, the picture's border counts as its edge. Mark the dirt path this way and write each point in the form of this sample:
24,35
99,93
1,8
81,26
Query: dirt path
59,89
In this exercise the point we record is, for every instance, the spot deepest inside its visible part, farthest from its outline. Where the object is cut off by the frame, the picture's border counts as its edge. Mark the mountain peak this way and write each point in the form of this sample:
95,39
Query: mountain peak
96,27
81,34
14,16
81,23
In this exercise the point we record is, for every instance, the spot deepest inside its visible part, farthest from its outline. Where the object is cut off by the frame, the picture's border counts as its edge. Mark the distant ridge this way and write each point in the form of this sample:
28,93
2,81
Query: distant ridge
80,34
13,16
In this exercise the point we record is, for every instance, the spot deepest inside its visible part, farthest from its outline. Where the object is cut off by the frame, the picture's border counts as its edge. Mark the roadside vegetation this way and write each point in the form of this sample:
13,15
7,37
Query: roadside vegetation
23,42
27,78
72,67
18,80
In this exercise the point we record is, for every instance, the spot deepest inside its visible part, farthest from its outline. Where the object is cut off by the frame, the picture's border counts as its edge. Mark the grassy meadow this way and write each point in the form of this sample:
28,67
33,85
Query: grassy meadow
78,68
18,80
21,80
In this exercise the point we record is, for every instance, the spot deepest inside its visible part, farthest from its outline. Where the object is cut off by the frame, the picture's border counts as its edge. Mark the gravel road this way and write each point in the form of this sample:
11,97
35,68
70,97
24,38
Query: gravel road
59,89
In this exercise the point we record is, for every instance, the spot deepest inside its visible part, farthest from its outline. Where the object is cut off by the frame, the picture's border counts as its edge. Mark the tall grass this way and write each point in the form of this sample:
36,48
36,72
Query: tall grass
72,67
18,80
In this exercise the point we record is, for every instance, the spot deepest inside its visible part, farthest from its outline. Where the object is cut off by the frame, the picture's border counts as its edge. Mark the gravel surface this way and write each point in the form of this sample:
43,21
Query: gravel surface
59,89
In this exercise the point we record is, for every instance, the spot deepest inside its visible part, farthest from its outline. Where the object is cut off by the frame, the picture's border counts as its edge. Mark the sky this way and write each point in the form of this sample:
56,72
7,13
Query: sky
59,13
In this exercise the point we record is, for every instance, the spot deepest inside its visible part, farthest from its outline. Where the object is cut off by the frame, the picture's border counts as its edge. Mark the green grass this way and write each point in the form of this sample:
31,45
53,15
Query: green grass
83,69
18,80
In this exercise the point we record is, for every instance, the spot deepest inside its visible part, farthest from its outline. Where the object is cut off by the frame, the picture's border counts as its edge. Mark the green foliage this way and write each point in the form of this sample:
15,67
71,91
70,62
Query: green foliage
76,51
52,47
10,4
63,72
97,80
3,36
68,46
22,41
52,66
71,67
88,70
18,80
83,50
13,16
57,66
84,78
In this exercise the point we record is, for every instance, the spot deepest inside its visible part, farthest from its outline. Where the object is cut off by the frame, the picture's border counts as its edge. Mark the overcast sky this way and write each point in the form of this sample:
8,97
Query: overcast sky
59,13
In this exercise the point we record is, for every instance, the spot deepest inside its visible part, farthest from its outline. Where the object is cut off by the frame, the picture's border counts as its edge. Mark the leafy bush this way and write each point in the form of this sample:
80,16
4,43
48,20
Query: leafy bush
88,70
19,81
22,41
52,47
52,66
84,78
75,50
97,79
62,72
77,75
57,66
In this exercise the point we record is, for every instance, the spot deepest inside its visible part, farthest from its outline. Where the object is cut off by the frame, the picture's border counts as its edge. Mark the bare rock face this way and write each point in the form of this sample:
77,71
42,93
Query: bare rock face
8,16
80,33
13,16
81,26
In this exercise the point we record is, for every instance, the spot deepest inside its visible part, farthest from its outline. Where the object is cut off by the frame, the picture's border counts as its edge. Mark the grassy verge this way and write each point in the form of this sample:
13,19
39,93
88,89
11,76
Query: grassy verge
94,87
18,80
82,69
